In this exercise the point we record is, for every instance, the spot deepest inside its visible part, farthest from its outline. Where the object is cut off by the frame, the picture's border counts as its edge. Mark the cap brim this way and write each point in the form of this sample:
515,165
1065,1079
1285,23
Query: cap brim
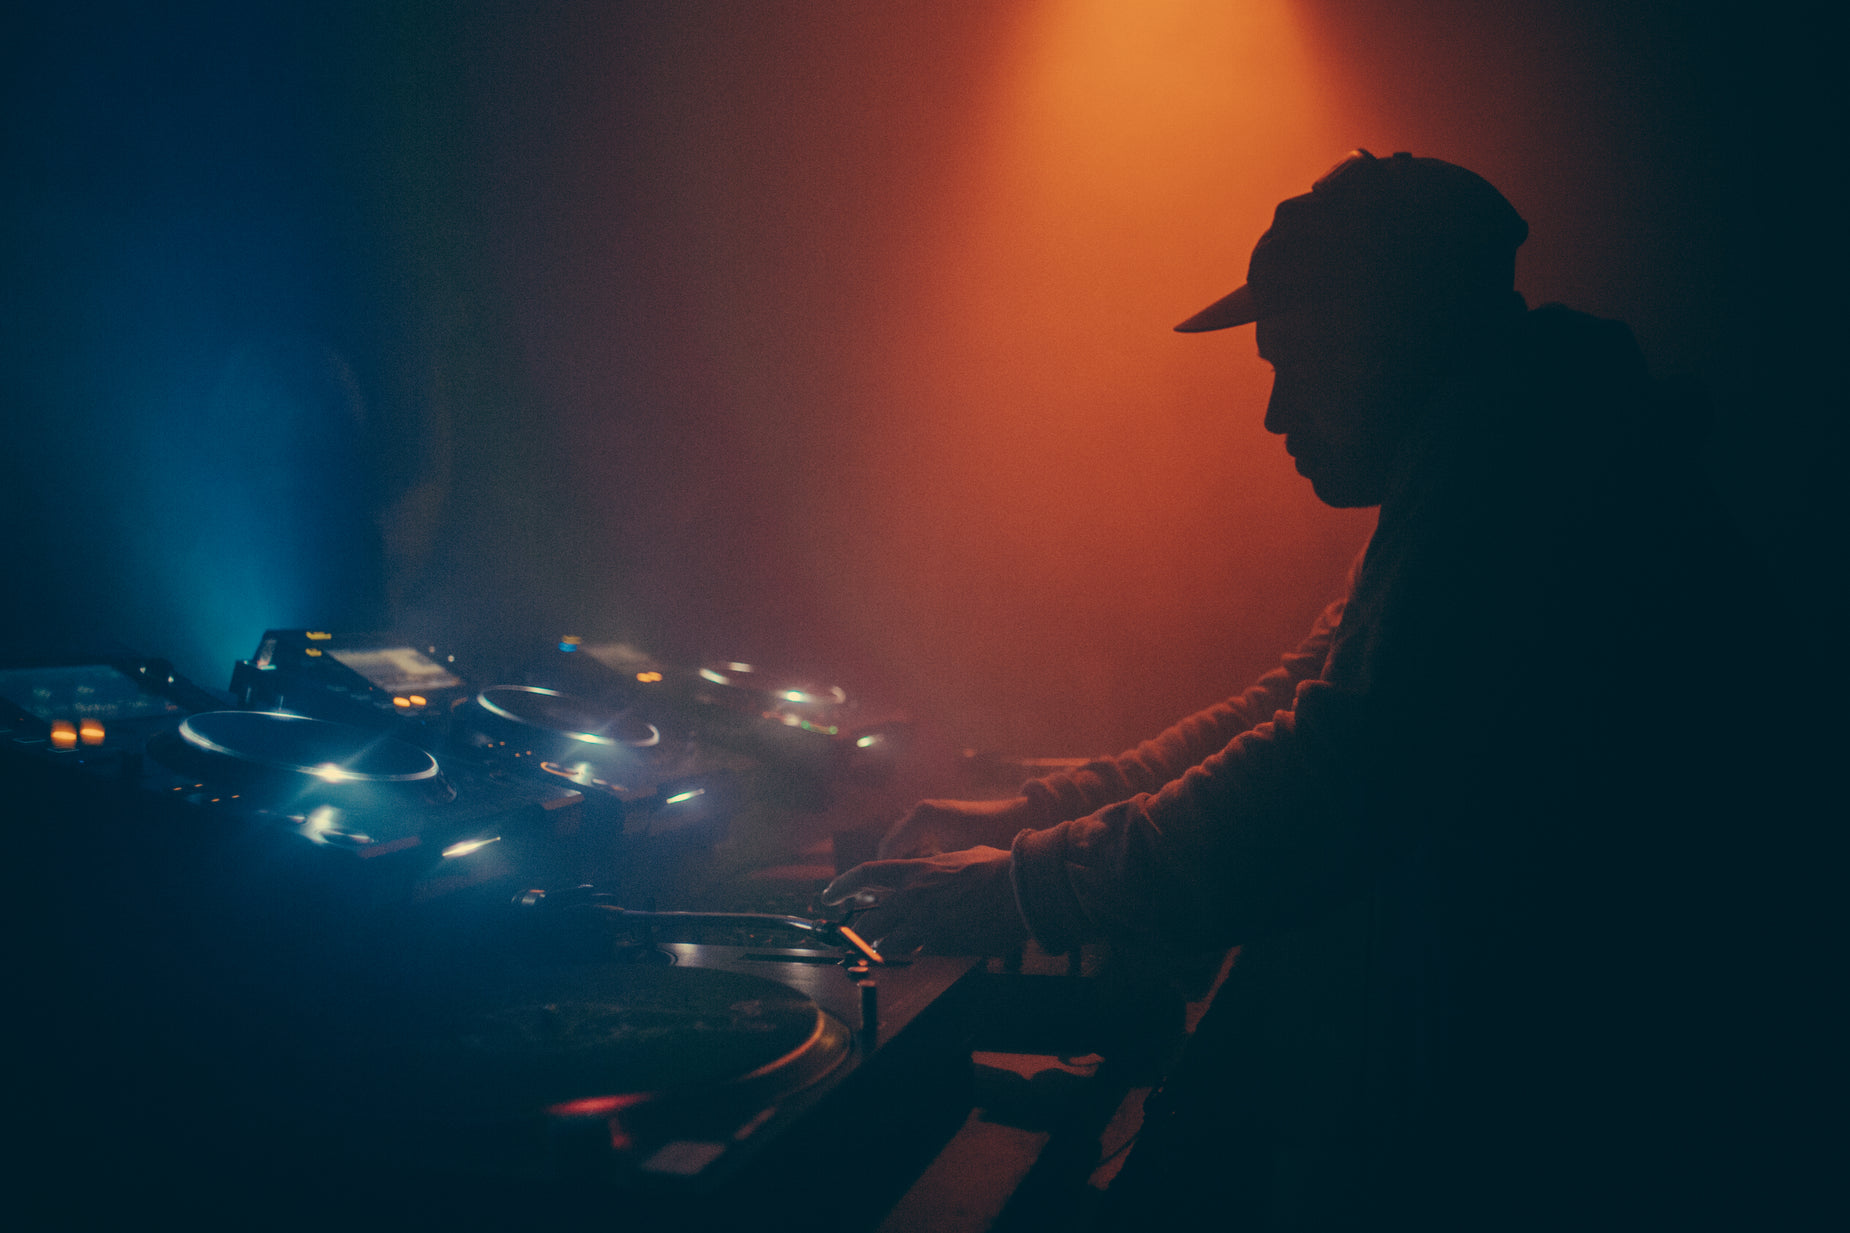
1239,308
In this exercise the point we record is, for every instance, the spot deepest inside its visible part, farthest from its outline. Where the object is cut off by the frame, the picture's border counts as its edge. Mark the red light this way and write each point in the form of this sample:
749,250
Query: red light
597,1106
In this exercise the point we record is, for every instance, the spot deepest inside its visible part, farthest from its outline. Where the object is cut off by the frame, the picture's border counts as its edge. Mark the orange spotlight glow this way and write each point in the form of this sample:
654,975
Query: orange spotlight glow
63,734
90,731
1058,493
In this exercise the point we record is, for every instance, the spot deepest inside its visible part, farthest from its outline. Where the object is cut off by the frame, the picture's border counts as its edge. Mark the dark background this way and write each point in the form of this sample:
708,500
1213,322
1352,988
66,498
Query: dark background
828,334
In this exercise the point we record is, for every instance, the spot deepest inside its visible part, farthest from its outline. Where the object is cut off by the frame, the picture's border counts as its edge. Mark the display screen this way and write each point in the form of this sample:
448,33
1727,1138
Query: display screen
398,669
82,691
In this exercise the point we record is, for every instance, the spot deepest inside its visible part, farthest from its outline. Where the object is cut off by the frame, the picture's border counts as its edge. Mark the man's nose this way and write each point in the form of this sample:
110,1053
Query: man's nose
1278,409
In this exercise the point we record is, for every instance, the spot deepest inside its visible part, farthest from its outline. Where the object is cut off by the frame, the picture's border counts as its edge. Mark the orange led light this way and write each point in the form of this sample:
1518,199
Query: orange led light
418,700
90,731
402,702
648,677
63,734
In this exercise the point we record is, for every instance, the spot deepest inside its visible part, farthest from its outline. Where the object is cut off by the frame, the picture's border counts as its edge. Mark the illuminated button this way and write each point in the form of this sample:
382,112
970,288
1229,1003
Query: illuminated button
63,734
402,702
416,700
90,731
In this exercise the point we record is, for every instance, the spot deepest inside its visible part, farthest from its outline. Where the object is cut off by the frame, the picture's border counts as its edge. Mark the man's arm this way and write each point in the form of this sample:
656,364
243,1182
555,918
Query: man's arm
1296,813
937,826
1271,827
1158,761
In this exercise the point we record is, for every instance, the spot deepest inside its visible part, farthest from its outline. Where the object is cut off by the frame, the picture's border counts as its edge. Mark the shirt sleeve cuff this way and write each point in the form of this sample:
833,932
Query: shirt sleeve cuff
1043,893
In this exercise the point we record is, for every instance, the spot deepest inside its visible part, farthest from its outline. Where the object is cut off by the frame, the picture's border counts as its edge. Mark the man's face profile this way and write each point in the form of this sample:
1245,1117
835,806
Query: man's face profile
1337,399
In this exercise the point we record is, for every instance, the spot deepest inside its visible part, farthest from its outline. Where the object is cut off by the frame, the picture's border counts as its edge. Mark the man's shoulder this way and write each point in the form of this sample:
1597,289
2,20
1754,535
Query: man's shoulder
1574,355
1563,341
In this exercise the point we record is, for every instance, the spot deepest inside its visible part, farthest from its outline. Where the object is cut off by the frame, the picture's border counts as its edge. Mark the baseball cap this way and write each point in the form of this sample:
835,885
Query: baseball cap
1409,231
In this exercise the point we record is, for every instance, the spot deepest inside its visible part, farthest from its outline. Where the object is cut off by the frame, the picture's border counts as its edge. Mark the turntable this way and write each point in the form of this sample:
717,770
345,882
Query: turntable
652,1084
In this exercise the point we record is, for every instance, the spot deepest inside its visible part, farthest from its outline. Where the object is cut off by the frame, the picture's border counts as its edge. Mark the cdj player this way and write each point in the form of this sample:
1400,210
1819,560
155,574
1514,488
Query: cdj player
642,775
811,734
116,761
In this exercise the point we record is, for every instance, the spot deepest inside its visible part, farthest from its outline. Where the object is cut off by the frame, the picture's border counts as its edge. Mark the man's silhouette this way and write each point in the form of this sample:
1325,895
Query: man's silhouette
1489,838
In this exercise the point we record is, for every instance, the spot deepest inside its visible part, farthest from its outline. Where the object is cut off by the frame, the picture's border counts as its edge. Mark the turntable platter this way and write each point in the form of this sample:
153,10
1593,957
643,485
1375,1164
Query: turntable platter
564,715
336,753
271,759
614,1035
536,1073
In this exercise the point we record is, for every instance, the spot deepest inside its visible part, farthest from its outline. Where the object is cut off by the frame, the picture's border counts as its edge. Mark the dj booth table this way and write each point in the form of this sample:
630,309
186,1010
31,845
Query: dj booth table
246,1011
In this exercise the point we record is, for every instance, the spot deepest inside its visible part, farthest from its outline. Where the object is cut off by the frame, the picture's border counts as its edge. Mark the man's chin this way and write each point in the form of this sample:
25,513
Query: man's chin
1340,494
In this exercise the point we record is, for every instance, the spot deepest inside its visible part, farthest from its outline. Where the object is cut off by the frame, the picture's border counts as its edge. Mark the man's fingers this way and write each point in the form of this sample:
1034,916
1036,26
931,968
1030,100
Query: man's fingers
861,891
872,878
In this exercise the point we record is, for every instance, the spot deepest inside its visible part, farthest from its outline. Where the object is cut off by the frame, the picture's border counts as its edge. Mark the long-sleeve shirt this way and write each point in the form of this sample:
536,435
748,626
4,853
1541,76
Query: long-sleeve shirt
1107,789
1521,543
1484,798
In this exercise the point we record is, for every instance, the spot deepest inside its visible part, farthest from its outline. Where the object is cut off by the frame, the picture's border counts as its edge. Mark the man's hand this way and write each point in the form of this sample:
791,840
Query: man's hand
958,903
951,826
